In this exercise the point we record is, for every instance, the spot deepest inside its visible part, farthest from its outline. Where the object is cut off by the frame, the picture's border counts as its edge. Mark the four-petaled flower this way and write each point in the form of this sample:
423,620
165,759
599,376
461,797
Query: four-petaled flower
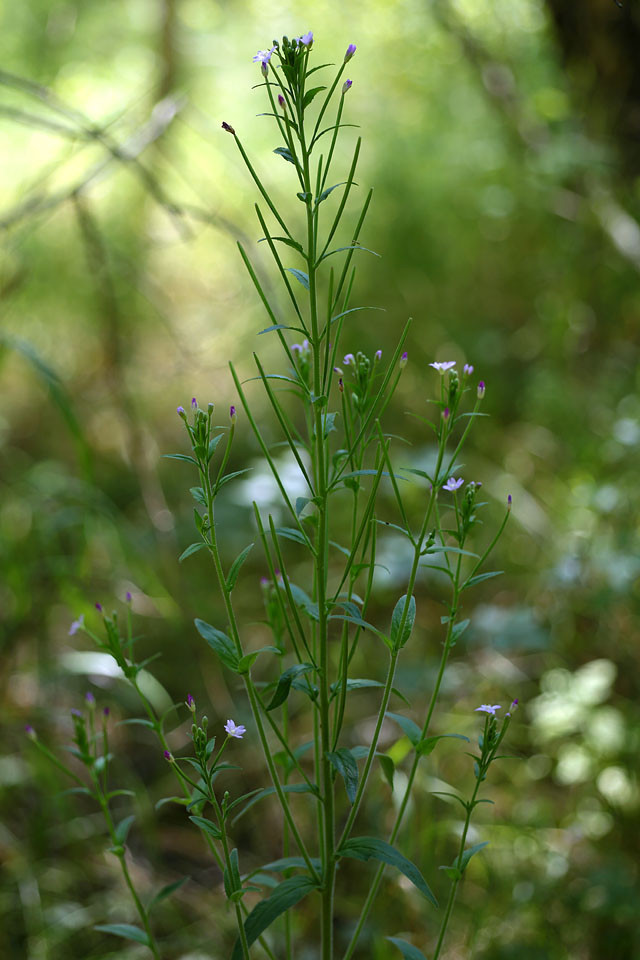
489,708
306,38
453,484
444,366
234,730
77,625
263,56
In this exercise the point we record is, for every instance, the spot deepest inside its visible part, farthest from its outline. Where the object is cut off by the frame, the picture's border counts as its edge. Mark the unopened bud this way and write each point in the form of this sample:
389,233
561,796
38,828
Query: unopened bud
481,390
30,732
228,128
282,102
404,359
168,756
340,385
351,49
445,414
378,356
232,414
265,69
181,413
99,607
346,86
509,502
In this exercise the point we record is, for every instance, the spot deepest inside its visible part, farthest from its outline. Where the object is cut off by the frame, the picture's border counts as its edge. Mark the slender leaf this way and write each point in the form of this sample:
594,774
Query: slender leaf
245,663
345,763
480,577
236,566
300,275
397,618
310,94
126,930
286,895
193,548
268,791
284,683
408,951
388,767
219,642
411,729
167,891
371,848
427,746
286,154
207,825
122,830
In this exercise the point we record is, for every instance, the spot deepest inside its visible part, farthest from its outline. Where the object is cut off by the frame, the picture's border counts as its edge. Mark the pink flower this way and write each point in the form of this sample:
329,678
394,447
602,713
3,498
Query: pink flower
444,366
453,484
233,730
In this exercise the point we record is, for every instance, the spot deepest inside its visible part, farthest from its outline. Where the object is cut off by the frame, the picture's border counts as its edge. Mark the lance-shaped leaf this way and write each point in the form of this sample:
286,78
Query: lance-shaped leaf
245,663
286,895
345,763
459,865
122,830
411,729
219,642
192,548
480,577
208,826
284,683
236,566
269,791
408,951
126,930
166,891
427,746
398,616
371,848
300,275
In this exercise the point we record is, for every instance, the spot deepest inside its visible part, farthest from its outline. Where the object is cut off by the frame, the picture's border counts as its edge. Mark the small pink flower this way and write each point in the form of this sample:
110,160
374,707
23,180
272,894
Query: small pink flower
444,366
453,484
233,730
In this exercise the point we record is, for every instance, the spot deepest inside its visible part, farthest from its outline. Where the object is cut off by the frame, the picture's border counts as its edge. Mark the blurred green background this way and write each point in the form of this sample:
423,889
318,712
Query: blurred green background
503,142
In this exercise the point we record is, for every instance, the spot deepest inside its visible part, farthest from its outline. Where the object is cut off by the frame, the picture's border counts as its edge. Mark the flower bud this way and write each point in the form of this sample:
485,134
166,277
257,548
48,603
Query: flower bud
445,414
181,413
346,86
378,356
99,607
481,390
129,596
509,502
351,49
264,66
282,103
91,700
340,385
228,128
168,756
30,732
404,360
232,414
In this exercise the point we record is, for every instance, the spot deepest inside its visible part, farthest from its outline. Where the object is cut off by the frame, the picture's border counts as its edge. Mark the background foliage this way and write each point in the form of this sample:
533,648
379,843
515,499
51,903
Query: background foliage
502,142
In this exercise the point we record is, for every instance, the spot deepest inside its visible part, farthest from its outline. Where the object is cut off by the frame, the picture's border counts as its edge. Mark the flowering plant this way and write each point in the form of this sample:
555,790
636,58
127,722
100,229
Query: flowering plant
322,621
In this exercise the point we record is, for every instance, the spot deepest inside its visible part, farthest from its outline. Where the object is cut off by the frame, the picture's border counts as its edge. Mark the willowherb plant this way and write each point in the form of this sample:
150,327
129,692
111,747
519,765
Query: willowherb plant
334,430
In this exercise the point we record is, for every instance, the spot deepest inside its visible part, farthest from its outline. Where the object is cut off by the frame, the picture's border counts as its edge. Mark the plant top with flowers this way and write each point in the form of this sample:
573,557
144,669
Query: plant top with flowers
320,589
